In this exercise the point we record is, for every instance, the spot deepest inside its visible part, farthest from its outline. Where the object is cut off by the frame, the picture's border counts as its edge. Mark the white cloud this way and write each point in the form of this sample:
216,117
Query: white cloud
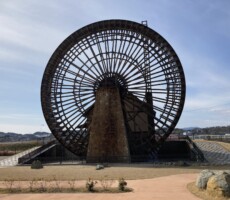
29,36
31,30
205,102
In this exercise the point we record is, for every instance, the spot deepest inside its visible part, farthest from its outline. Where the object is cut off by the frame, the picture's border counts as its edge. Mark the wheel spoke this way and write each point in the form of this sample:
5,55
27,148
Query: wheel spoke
117,53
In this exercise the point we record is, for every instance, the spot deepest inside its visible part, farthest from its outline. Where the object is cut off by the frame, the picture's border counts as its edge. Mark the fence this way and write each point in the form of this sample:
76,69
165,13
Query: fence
225,138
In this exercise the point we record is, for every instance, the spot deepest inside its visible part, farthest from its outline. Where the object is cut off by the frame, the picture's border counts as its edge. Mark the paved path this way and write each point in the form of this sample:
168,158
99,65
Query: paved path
163,188
13,160
3,157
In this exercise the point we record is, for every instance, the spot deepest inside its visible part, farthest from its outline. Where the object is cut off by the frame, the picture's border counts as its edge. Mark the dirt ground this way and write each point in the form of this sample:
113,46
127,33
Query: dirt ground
148,182
172,187
83,172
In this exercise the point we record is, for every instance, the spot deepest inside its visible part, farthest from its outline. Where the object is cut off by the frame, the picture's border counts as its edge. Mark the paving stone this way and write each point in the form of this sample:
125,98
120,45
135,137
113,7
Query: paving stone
13,160
214,153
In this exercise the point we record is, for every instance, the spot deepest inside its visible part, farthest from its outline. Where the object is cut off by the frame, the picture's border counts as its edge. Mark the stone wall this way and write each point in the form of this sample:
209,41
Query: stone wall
108,137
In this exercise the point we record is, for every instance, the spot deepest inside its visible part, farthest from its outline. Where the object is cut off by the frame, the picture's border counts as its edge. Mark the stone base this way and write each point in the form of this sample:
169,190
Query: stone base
107,131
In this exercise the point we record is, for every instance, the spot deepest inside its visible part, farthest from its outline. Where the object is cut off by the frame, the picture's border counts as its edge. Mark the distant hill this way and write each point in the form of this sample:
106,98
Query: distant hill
41,134
15,137
190,128
217,130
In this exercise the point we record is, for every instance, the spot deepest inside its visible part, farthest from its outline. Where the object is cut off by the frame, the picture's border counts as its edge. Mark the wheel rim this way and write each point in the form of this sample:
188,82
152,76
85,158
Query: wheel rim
127,54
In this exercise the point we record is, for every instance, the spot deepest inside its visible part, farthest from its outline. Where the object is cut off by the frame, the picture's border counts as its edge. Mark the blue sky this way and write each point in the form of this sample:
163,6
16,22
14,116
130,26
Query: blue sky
198,30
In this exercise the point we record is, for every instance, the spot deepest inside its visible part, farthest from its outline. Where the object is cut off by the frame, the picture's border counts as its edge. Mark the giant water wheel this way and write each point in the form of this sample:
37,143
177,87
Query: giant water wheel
113,90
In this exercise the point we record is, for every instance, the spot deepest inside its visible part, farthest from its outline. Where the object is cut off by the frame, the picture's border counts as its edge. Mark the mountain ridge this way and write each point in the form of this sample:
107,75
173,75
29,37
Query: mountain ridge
13,137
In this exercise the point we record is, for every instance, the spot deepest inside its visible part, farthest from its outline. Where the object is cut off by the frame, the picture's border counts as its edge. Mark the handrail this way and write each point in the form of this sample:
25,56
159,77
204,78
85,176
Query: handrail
197,151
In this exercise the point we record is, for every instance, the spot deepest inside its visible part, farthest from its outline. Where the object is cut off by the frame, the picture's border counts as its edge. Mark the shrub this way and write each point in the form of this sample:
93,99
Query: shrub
36,164
32,184
106,183
42,186
9,185
90,185
18,187
57,183
72,184
122,184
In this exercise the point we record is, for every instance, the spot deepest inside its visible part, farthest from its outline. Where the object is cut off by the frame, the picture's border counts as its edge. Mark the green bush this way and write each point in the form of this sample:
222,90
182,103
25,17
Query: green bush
36,164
